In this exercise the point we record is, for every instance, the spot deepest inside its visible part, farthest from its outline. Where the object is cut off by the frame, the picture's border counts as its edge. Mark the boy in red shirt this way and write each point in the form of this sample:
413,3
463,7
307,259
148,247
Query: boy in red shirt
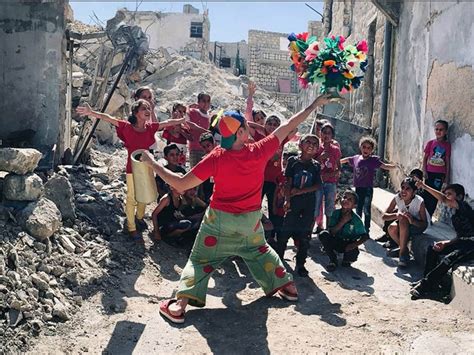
232,224
199,123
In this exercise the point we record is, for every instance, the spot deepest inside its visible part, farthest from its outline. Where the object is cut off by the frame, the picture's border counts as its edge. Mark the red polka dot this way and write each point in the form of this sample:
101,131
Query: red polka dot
280,272
208,269
210,241
263,249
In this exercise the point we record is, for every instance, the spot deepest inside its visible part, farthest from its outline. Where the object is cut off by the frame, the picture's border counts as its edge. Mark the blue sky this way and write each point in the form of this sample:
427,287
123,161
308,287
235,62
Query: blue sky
230,21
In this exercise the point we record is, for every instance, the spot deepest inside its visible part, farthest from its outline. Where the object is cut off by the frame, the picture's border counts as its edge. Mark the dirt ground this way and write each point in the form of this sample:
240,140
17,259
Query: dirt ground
365,308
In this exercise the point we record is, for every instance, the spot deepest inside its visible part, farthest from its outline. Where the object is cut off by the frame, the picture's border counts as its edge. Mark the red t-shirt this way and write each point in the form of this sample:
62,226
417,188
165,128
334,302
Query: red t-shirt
180,139
202,120
238,175
273,168
329,164
280,195
134,140
438,154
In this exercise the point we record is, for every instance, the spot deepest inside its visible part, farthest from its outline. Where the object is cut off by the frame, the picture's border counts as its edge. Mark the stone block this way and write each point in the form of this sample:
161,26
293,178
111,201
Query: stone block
22,187
19,160
115,103
59,190
41,219
77,79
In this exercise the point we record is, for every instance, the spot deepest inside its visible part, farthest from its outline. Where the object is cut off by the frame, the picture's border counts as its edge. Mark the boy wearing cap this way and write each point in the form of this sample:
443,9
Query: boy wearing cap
231,225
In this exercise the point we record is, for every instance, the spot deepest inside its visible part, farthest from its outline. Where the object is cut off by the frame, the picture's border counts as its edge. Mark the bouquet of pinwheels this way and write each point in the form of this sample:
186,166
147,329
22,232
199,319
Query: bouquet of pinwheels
337,68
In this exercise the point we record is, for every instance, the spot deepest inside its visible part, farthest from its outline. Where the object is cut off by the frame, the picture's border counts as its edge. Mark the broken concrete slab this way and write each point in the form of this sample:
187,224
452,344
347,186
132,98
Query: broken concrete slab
59,190
41,219
19,160
22,187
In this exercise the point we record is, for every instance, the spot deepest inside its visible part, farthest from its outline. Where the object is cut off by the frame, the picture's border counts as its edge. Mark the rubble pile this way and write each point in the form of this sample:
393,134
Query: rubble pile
55,239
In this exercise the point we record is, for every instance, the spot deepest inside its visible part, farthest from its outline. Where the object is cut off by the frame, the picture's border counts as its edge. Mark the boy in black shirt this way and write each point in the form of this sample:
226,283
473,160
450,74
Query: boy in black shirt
303,179
452,251
171,153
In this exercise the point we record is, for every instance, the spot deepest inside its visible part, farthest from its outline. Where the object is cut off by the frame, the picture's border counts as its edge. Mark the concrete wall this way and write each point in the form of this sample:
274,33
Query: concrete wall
229,50
32,68
269,61
434,58
172,31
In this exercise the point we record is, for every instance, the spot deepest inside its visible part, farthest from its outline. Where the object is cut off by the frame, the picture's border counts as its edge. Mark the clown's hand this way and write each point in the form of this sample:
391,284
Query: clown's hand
147,158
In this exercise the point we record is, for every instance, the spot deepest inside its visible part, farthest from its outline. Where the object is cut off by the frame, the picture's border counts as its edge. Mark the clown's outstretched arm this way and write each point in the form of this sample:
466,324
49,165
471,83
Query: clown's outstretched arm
179,182
285,129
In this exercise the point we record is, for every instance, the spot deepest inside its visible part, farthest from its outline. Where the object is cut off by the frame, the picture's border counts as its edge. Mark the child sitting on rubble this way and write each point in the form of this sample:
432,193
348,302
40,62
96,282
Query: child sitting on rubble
193,208
172,156
444,255
344,234
409,217
136,133
169,223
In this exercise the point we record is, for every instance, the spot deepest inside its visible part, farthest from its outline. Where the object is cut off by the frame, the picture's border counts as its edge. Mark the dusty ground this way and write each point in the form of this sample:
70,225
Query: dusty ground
361,309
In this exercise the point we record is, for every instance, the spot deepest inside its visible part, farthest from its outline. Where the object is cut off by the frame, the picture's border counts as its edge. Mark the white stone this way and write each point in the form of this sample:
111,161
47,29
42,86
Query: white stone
77,79
41,219
19,160
22,187
66,243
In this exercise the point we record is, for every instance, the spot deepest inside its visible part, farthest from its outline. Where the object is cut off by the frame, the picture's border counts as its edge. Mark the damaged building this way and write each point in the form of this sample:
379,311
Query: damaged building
186,33
32,85
420,70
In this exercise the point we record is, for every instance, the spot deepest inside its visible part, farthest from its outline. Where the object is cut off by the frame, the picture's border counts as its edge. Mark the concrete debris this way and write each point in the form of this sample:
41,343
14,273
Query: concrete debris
41,219
22,187
19,160
59,190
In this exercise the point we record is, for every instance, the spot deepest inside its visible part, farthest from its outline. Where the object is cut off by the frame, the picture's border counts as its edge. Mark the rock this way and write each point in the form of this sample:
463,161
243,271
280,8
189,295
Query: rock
39,282
77,79
41,219
115,103
14,317
59,190
150,68
84,198
22,187
19,160
66,243
59,310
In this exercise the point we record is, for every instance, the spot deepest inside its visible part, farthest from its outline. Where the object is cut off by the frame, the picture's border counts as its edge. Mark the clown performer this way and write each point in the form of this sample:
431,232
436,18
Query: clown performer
231,225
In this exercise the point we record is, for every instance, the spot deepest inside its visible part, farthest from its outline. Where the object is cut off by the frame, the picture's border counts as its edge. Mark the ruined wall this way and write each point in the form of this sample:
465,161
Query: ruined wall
229,50
269,61
433,76
32,82
173,31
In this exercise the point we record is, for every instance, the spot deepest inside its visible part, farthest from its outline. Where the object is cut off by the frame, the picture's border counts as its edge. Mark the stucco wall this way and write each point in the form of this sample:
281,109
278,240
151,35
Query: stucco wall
32,81
434,57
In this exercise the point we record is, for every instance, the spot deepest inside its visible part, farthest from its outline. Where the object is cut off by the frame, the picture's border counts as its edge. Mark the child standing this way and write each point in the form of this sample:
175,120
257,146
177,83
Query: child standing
365,165
344,234
205,189
200,120
436,163
328,155
409,217
178,134
303,179
443,255
136,133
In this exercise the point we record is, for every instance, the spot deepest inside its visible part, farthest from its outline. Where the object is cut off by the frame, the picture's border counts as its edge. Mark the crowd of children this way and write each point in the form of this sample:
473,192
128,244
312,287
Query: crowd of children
299,188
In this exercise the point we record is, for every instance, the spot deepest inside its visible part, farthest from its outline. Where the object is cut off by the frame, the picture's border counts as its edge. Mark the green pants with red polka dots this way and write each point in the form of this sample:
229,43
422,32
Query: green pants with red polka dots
224,235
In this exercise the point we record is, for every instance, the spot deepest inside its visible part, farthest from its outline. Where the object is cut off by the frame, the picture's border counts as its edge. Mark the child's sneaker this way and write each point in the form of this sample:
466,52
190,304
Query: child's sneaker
404,260
393,253
331,267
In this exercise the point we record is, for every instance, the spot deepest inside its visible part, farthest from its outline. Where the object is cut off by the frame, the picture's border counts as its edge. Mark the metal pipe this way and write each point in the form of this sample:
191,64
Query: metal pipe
126,62
387,56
